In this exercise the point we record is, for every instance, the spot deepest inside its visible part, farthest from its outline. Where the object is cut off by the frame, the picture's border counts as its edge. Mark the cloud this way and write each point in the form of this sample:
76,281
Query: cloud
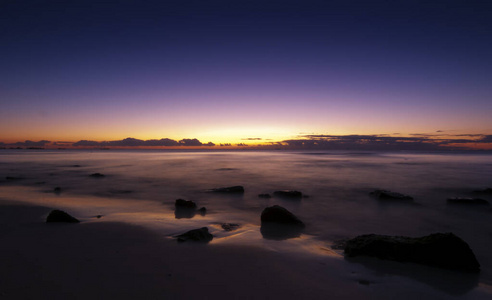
132,142
29,143
251,139
385,142
241,145
225,145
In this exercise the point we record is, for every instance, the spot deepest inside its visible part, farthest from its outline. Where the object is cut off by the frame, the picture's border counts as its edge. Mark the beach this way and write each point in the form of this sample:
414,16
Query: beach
125,244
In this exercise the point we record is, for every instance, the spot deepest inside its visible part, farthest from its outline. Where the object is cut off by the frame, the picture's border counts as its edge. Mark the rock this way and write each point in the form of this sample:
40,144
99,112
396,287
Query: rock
60,216
444,250
229,190
468,201
181,203
288,194
57,190
97,175
278,214
196,235
202,210
388,195
230,226
265,196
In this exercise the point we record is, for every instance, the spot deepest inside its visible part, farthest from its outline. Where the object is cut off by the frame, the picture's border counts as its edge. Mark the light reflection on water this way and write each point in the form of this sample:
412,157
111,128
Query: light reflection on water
141,187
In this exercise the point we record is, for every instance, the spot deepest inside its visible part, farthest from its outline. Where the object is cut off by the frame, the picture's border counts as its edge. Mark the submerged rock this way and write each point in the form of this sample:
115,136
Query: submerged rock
388,195
196,235
57,190
60,216
444,250
230,226
229,190
97,175
265,196
288,194
181,203
468,201
202,211
278,214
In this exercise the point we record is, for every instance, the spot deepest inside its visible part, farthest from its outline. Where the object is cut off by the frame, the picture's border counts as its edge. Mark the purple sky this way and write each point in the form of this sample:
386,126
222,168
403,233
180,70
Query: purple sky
225,71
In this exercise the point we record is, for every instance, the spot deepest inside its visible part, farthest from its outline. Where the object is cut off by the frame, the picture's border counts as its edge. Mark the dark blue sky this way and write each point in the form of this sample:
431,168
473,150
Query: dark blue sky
226,70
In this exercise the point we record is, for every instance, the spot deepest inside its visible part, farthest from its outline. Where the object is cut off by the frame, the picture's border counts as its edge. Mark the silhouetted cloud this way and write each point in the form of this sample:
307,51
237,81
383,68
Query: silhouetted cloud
29,143
241,145
132,142
251,139
384,142
225,145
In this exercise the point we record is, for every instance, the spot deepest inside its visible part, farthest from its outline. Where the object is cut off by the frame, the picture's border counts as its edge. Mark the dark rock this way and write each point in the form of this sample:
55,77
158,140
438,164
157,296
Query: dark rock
202,210
388,195
288,194
57,190
229,190
278,214
12,178
230,226
97,175
184,204
279,231
265,196
60,216
444,250
196,235
468,201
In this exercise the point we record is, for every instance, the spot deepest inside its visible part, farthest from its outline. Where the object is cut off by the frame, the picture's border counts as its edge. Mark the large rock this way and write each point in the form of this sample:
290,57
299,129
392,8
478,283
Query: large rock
487,191
229,190
196,235
444,250
278,214
181,203
60,216
288,194
388,195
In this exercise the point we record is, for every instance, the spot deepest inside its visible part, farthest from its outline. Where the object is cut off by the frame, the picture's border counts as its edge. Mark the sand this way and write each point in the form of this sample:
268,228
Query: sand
101,259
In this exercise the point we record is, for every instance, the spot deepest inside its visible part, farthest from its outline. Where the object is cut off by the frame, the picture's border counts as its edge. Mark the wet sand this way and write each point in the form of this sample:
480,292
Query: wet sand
106,259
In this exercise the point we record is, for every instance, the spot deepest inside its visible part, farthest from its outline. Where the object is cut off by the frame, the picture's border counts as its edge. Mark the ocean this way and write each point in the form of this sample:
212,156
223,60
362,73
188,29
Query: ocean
141,186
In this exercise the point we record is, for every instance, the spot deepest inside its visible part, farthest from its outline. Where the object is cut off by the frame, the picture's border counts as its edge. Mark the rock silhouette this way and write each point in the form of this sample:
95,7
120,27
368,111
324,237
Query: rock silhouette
229,190
289,194
444,250
60,216
388,195
196,235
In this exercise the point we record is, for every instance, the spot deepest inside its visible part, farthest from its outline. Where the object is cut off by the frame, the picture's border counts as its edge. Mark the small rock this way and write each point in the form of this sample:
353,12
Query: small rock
388,195
202,210
184,203
288,194
278,214
229,190
468,201
196,235
265,196
230,226
57,190
97,175
60,216
444,250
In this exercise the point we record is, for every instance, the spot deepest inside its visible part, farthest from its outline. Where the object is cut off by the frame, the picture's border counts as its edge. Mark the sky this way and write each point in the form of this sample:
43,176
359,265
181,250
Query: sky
244,72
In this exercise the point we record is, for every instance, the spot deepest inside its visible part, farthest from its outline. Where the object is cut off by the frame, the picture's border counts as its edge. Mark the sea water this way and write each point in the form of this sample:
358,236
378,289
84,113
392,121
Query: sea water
140,186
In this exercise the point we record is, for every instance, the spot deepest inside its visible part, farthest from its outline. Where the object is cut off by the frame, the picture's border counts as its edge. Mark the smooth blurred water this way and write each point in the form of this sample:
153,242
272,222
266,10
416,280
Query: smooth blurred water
337,183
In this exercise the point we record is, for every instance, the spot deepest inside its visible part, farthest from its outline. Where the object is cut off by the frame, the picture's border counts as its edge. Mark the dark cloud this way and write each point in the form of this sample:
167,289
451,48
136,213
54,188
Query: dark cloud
29,143
383,142
251,139
225,145
241,145
132,142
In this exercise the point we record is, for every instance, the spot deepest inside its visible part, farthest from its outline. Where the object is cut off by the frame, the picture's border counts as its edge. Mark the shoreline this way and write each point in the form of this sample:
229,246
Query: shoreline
128,261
